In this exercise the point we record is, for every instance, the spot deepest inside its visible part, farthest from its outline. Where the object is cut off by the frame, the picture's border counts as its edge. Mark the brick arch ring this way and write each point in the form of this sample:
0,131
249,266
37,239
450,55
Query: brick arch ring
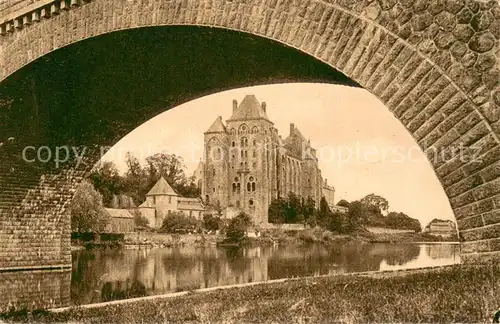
433,63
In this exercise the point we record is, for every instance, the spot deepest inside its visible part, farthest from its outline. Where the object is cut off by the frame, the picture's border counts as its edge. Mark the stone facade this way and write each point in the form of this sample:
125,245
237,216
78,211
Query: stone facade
433,63
162,200
34,289
329,193
441,227
247,163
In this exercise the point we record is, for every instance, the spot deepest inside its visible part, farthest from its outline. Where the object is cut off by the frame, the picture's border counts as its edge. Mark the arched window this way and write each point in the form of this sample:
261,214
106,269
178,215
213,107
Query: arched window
250,202
243,129
234,187
214,172
238,203
233,144
244,142
255,153
253,186
238,188
249,187
254,142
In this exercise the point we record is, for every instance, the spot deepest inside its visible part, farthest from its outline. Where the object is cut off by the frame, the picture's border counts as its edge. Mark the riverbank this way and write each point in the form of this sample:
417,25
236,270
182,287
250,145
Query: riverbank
462,293
268,237
416,238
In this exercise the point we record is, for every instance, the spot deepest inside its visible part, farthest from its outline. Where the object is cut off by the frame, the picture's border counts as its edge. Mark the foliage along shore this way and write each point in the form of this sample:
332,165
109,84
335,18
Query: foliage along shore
268,238
461,293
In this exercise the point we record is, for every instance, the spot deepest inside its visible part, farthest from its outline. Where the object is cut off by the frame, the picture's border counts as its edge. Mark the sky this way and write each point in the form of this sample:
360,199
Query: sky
361,146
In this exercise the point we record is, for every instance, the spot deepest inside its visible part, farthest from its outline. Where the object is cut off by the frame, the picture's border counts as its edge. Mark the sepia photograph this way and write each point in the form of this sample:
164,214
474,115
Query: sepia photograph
249,161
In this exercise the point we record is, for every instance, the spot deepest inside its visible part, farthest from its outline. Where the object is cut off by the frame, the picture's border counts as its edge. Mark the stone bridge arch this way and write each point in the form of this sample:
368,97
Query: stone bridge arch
433,63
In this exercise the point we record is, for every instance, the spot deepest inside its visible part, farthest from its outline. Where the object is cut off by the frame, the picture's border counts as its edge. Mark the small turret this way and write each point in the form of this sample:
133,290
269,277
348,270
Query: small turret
235,105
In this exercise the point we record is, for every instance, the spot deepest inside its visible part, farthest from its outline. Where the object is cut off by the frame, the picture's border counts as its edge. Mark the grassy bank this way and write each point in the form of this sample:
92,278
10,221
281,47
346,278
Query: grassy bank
455,294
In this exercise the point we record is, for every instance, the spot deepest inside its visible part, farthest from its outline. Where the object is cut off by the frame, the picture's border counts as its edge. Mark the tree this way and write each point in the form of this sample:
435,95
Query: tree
87,211
211,222
139,220
308,208
277,211
171,167
323,211
343,203
137,182
237,228
402,221
107,181
292,208
356,216
373,200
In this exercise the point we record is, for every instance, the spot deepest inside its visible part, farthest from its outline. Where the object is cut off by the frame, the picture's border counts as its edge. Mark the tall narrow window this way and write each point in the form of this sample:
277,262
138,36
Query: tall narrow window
249,187
169,199
253,186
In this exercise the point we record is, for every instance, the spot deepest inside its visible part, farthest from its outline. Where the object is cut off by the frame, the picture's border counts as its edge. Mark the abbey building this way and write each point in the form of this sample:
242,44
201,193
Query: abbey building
247,163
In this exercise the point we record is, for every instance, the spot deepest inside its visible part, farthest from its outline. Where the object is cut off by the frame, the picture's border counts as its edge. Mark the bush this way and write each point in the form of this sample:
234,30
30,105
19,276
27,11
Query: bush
237,228
179,223
211,222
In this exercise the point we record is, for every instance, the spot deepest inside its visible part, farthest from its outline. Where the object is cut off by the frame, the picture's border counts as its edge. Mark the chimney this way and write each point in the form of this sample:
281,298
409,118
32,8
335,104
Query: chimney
292,128
235,105
264,106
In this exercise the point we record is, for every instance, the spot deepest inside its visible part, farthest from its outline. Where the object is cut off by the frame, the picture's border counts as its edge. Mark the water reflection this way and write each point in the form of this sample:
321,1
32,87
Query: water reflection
117,274
428,256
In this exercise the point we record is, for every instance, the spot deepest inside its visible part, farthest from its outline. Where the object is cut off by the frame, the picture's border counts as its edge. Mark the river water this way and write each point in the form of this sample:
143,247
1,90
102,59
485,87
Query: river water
104,275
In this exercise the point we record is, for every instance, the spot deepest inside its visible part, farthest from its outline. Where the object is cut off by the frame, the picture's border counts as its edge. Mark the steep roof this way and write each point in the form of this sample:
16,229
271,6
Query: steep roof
249,108
162,188
118,213
217,126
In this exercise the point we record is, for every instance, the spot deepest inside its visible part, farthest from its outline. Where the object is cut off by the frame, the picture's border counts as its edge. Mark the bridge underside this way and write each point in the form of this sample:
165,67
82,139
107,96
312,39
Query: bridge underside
91,94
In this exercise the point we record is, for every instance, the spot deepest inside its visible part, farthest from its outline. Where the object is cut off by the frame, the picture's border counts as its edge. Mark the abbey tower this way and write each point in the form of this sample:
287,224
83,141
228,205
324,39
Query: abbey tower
247,163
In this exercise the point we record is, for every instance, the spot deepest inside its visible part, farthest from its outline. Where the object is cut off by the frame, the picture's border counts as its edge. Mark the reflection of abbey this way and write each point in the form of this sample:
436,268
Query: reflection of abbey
247,163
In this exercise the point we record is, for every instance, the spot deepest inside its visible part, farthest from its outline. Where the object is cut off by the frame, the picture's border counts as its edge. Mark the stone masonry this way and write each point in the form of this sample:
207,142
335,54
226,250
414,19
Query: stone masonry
433,63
